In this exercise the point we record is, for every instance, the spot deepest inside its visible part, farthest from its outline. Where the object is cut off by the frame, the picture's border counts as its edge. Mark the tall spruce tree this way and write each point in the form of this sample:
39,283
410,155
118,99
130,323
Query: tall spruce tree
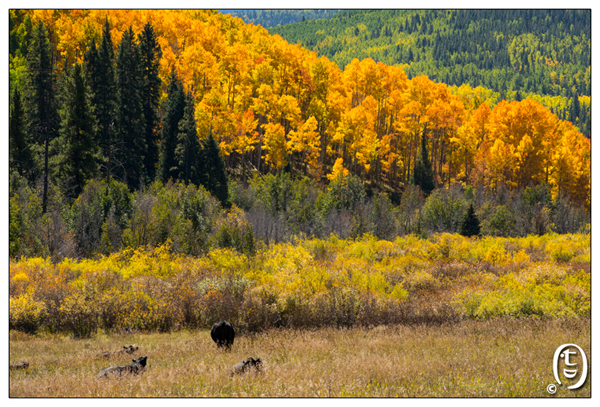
100,66
40,99
423,173
20,154
188,152
214,176
130,126
174,109
78,154
150,54
470,223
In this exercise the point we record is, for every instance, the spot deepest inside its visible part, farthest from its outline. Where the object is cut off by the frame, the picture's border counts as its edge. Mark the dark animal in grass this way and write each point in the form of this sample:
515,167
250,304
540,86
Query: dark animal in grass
21,365
129,350
246,366
136,367
223,334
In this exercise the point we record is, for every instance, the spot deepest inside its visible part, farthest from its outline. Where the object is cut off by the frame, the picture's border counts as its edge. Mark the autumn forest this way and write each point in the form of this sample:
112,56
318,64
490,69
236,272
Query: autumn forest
197,112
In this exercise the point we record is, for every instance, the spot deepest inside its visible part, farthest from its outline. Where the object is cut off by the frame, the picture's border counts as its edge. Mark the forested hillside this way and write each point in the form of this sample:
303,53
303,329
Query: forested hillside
543,54
274,18
130,128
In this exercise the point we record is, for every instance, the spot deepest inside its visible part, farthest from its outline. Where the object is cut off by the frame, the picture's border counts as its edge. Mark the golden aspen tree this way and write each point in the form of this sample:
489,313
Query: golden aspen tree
528,129
571,165
338,171
275,145
467,141
307,142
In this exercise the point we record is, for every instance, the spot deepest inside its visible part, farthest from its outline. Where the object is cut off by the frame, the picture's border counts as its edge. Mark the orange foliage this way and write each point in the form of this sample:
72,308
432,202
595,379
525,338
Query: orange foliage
258,93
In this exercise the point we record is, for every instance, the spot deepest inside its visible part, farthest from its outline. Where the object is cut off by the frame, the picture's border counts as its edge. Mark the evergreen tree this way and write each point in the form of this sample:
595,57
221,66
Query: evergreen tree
78,154
215,177
40,99
130,133
20,155
188,152
470,224
100,66
174,109
150,54
423,173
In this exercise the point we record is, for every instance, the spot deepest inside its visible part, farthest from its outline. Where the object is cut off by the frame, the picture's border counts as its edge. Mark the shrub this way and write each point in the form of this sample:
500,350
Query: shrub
502,222
78,315
25,313
443,211
560,254
236,232
421,281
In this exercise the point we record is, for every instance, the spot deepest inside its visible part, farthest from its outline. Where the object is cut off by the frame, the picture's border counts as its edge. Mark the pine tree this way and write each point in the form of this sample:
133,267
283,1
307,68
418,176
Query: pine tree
100,67
20,155
470,224
130,133
150,54
214,177
423,173
78,154
188,152
40,99
174,109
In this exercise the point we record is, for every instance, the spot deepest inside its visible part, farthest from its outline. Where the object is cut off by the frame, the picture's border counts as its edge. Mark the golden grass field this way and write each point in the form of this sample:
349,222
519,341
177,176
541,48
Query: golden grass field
500,357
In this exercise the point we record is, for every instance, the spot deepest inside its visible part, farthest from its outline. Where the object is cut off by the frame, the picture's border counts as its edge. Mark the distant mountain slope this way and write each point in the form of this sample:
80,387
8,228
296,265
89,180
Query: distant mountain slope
274,18
517,53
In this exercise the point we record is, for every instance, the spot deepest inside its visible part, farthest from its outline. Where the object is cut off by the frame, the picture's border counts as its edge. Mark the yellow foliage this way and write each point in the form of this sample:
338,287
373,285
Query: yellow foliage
159,290
338,171
25,313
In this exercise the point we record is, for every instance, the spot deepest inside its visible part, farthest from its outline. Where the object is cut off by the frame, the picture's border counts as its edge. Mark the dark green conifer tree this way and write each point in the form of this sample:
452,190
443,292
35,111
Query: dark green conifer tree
470,224
214,176
20,155
150,54
423,173
40,99
78,154
174,109
130,134
100,67
188,152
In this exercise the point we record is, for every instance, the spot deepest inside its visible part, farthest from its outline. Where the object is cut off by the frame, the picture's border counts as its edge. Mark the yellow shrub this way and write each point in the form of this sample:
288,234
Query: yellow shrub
521,256
421,280
560,252
20,277
79,315
496,255
25,313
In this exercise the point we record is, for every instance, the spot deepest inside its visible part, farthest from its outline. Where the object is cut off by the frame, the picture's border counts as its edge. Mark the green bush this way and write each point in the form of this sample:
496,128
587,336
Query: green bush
443,211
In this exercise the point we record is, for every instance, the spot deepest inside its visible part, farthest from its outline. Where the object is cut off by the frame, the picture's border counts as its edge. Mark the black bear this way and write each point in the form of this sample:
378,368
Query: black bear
223,334
136,367
246,365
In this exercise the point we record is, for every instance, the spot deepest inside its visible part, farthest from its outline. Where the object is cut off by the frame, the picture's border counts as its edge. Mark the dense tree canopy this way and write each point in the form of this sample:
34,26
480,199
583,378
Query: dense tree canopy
260,104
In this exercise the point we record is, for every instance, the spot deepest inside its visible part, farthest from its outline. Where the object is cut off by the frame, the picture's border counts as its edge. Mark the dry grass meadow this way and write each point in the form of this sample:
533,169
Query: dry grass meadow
493,358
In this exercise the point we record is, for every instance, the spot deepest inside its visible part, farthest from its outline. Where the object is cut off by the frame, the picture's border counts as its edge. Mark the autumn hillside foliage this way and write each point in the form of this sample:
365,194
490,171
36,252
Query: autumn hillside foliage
274,106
